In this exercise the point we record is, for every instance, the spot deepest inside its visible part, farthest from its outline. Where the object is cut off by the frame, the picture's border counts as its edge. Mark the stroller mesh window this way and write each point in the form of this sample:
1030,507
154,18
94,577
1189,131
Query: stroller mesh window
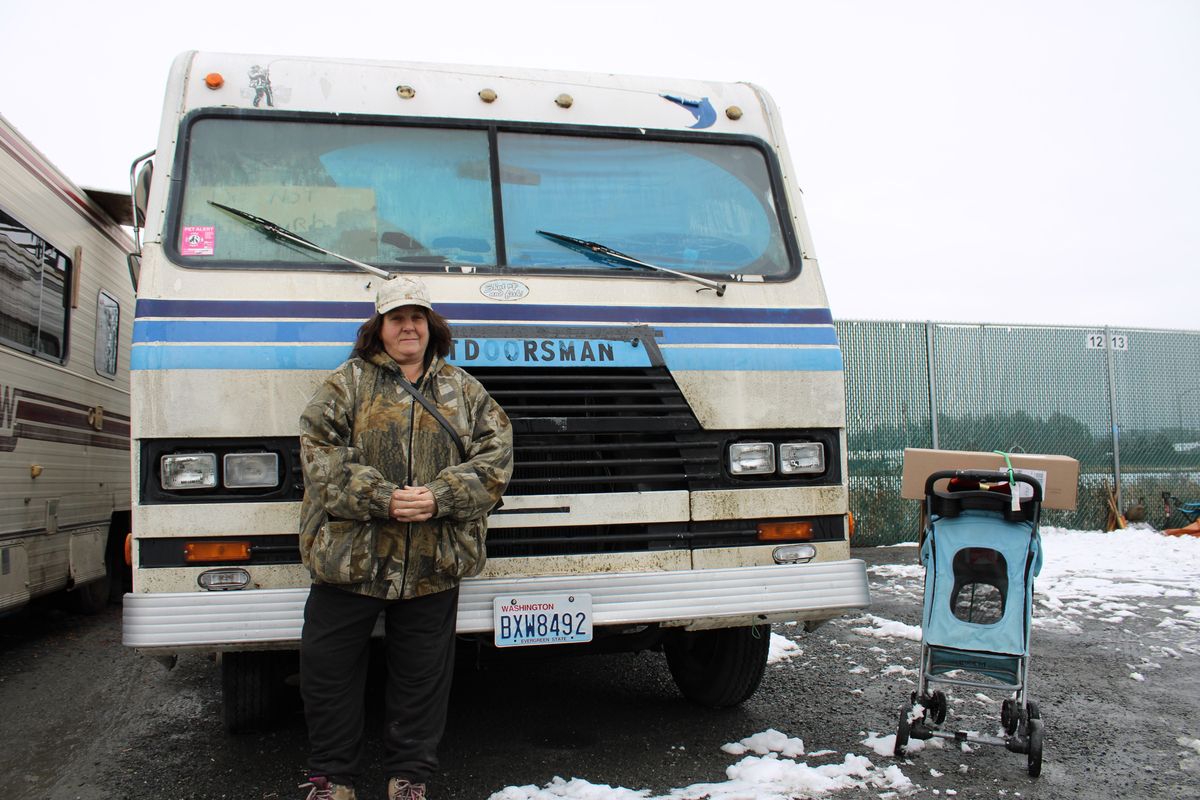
980,585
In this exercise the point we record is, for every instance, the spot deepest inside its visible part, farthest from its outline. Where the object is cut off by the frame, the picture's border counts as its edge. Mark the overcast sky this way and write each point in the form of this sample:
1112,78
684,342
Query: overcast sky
1019,162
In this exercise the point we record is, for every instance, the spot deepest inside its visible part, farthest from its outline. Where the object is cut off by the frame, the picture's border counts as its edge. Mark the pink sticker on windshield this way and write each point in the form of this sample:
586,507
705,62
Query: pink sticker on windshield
198,240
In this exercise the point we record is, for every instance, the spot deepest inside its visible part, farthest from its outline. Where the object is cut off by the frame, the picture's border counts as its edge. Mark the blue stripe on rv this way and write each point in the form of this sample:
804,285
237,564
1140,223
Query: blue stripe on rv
326,357
463,312
280,332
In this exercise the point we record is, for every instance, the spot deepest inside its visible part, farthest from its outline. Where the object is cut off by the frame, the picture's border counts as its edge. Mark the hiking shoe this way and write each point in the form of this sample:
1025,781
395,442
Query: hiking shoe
321,789
400,789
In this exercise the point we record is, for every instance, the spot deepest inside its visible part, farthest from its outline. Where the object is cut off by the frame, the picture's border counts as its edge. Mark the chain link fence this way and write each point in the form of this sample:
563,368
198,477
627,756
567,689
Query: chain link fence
1023,389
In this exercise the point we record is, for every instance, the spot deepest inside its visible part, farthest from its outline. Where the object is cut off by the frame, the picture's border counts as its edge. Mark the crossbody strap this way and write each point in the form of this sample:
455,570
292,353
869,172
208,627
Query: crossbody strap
420,398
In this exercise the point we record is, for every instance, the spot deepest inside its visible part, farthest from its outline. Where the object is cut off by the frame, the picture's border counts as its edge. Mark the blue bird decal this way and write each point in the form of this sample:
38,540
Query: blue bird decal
701,109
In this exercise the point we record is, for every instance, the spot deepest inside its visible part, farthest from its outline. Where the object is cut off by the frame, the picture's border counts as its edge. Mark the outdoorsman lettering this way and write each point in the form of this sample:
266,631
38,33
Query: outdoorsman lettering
531,351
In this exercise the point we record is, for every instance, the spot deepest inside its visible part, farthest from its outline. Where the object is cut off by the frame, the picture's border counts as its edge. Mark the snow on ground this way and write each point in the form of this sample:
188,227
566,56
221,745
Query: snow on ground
769,777
897,571
1088,577
1085,571
886,628
782,648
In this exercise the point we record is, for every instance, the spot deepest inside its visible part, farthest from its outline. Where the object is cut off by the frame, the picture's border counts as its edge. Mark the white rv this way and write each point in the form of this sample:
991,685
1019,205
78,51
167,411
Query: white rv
627,269
66,321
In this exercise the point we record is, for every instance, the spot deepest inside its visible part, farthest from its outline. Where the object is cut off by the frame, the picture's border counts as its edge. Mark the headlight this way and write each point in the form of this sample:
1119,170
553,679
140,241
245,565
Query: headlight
751,458
801,458
189,471
251,470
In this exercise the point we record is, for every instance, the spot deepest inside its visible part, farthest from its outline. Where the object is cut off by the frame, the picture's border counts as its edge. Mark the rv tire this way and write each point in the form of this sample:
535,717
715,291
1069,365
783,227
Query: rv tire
718,668
92,597
254,692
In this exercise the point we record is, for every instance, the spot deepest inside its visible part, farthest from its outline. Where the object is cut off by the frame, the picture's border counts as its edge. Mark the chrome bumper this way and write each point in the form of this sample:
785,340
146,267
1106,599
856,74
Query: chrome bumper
694,599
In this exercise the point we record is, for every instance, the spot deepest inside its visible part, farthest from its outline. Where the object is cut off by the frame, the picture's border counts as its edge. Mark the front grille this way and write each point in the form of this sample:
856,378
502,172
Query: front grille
600,431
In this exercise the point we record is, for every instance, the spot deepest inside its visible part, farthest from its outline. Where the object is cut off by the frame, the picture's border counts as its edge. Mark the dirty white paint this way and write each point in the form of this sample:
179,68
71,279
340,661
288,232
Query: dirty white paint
798,501
748,400
216,519
717,557
659,561
185,579
591,509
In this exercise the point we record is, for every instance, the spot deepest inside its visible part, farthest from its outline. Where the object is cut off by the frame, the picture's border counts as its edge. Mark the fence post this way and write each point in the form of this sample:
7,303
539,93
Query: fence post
1112,408
931,374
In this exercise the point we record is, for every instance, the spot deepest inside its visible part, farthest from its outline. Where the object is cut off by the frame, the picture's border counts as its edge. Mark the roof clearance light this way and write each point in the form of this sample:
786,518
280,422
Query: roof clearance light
251,470
751,458
214,80
801,458
189,471
220,580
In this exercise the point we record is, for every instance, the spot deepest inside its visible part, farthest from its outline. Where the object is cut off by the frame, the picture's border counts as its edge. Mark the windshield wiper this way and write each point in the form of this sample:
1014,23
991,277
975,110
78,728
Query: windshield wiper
276,231
595,249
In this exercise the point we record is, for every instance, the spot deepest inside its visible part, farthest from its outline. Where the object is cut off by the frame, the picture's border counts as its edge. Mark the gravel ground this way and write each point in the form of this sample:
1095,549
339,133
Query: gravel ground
86,718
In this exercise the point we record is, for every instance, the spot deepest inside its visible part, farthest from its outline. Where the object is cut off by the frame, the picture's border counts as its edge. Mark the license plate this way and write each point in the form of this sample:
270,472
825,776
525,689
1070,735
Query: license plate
531,619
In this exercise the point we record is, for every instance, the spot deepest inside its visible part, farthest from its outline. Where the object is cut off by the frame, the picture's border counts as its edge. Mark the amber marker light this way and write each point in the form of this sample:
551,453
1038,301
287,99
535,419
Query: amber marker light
784,531
850,532
202,552
129,549
214,80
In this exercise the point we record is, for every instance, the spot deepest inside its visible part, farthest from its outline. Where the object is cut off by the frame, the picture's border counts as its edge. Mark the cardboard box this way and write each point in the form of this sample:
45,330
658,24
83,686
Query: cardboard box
1059,475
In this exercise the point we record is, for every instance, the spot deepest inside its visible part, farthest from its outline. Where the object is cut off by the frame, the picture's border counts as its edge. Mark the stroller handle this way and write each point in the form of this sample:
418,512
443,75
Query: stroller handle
997,476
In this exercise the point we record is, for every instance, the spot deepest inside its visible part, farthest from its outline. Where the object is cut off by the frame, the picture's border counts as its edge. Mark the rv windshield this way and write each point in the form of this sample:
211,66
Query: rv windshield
406,197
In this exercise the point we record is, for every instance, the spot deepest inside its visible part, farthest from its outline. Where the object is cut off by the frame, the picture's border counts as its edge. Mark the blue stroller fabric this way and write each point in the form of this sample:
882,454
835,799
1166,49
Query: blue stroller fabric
979,571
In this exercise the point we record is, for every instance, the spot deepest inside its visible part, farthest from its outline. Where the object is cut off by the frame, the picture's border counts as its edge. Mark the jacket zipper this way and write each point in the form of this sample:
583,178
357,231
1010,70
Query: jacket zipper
408,480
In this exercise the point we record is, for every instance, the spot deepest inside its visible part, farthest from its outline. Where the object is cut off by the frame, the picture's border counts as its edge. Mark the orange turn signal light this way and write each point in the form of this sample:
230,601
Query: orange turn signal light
129,549
781,531
214,80
201,552
850,531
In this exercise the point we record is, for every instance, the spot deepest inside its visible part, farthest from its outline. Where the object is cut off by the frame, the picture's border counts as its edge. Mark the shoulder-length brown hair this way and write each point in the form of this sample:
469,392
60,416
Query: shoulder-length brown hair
368,342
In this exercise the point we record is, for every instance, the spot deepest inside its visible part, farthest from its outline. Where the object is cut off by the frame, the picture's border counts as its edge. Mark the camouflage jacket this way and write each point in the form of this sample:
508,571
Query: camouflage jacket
363,436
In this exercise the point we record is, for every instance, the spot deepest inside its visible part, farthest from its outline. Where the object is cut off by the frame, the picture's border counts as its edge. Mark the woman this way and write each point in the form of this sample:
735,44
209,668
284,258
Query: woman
392,519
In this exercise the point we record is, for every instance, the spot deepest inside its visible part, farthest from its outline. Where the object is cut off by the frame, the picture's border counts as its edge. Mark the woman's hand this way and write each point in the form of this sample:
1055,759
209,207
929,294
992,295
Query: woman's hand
412,504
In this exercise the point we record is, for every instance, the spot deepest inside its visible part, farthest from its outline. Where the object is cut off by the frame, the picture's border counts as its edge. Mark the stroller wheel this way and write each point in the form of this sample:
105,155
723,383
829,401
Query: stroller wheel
902,732
938,706
1034,711
1034,758
1009,716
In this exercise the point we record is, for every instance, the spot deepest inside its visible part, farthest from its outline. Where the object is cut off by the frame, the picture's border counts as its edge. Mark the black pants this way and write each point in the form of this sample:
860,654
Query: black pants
334,652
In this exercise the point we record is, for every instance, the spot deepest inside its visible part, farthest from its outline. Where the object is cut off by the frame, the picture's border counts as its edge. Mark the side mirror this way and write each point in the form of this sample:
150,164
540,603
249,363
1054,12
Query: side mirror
139,197
141,193
134,260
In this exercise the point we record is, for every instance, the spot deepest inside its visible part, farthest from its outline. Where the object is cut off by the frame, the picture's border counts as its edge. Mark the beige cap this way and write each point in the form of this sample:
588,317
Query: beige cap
401,291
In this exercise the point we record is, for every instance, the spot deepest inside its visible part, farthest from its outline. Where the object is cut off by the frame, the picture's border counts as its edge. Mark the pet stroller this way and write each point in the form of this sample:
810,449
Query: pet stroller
981,552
